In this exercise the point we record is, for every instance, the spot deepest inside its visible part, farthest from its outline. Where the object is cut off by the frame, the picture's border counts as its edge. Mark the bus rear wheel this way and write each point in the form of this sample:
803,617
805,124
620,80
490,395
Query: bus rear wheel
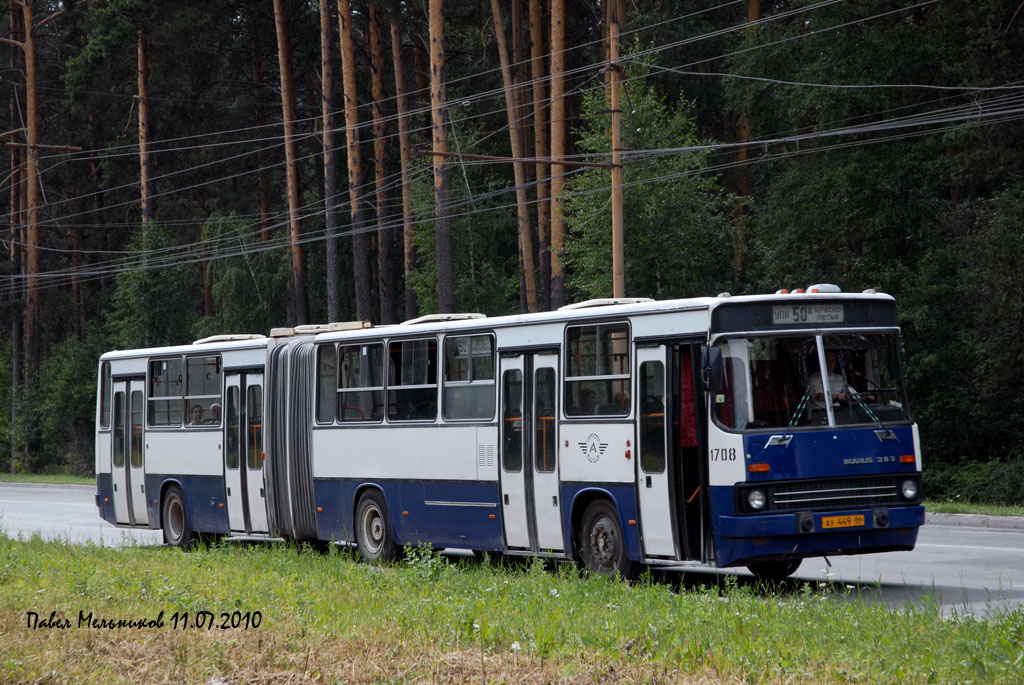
373,529
774,571
602,545
177,529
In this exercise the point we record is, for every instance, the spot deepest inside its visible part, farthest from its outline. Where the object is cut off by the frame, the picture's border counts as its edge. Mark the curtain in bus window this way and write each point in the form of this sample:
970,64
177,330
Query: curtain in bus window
512,420
687,403
254,408
544,420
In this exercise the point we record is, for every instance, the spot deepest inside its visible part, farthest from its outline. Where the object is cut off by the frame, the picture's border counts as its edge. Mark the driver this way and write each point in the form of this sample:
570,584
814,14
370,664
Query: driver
839,390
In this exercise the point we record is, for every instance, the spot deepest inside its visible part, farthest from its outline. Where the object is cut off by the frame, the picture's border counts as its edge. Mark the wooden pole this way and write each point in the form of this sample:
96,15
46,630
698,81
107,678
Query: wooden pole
145,165
405,148
33,324
618,259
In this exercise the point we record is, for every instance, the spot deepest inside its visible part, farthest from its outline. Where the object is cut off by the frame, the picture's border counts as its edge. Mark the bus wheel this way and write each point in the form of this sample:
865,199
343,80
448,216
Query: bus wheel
177,530
603,547
373,529
774,571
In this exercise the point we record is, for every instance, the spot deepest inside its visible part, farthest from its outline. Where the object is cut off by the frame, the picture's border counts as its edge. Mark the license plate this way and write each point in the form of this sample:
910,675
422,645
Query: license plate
842,521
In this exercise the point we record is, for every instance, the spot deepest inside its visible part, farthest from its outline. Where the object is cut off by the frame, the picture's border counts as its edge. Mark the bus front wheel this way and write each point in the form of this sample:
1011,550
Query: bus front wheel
177,529
373,529
602,545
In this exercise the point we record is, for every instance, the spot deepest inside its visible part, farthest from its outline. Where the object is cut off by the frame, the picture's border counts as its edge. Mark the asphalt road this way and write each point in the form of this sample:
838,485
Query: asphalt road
969,564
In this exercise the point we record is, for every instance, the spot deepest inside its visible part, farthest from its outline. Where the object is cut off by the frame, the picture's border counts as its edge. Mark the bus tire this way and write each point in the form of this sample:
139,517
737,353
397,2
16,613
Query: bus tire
373,529
177,529
774,571
602,545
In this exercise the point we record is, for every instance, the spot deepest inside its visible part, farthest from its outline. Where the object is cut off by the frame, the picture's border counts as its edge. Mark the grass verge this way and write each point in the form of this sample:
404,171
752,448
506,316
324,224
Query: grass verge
57,478
967,508
326,617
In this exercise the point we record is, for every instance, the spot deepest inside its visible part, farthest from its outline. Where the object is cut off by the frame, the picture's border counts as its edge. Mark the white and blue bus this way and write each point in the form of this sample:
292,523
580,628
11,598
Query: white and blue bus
729,431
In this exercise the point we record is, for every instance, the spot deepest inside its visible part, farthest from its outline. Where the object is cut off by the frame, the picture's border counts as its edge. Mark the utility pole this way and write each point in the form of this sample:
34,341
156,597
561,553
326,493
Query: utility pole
618,259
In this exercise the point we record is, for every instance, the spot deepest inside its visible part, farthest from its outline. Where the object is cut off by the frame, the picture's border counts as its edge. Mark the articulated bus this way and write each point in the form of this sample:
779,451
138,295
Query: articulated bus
729,431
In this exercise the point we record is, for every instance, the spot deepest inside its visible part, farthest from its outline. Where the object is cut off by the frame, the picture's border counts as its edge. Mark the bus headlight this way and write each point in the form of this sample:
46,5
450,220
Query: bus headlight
908,489
756,499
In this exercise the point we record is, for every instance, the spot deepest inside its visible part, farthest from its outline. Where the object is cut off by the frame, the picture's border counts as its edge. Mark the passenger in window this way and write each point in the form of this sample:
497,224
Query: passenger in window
588,401
197,416
215,411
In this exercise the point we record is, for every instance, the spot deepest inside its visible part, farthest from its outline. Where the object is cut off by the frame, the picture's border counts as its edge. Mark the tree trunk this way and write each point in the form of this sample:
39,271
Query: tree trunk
33,321
385,235
439,113
519,67
145,159
261,161
540,142
330,174
421,68
557,150
519,168
284,54
360,241
405,146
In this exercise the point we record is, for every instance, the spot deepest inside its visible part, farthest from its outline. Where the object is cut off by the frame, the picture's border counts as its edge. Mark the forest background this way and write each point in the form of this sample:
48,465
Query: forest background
872,144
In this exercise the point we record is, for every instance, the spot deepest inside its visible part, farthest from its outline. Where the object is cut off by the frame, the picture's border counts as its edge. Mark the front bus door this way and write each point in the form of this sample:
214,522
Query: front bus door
531,510
243,453
654,481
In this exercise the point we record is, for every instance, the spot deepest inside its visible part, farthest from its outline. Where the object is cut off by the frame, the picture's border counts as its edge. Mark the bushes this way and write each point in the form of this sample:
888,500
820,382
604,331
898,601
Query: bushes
1000,481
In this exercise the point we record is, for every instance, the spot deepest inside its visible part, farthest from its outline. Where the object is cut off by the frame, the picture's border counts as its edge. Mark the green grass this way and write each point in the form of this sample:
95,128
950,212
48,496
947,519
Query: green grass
59,478
329,618
966,508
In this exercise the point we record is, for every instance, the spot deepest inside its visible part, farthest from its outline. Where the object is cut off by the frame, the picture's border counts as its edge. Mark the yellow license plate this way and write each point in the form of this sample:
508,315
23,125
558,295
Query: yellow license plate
842,521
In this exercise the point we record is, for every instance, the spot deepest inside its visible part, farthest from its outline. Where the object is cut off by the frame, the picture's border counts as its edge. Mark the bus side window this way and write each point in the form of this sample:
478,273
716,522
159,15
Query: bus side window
412,389
105,395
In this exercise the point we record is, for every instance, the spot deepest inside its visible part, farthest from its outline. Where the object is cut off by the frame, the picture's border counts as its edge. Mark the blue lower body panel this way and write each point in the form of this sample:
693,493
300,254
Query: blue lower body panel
444,513
204,501
743,538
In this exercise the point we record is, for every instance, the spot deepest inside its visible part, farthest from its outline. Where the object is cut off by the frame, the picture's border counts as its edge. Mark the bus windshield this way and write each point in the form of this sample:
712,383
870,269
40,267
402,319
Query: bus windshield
776,382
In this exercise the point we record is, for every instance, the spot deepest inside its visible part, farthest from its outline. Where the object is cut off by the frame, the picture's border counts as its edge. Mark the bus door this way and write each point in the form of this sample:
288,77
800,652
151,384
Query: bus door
531,510
654,483
243,453
136,486
127,447
687,437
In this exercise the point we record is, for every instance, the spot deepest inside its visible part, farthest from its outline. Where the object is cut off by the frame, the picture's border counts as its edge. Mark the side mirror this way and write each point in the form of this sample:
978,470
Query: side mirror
712,369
